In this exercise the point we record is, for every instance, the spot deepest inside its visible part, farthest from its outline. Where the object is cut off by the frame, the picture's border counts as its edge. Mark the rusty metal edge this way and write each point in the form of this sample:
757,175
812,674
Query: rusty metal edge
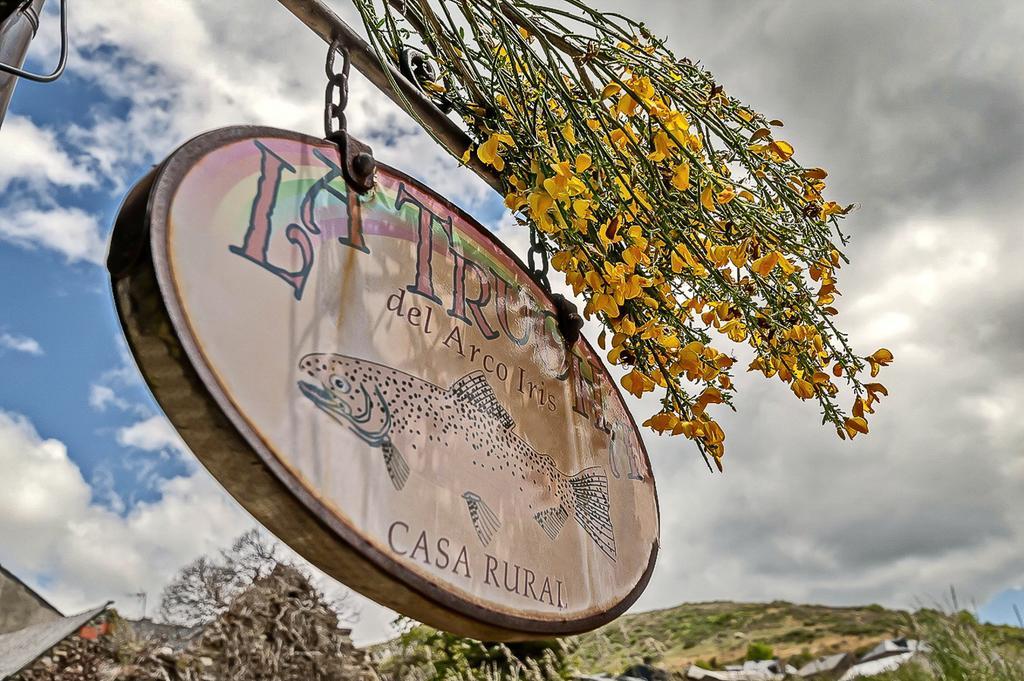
212,424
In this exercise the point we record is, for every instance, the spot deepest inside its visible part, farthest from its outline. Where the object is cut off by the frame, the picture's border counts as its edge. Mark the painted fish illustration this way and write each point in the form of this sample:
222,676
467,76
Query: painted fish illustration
402,415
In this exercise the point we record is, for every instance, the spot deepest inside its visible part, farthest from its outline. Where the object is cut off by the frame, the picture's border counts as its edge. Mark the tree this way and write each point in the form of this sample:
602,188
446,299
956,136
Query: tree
205,588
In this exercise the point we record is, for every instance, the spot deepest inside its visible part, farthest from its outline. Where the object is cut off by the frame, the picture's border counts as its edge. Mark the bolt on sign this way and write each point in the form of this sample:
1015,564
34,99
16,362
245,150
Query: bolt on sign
381,383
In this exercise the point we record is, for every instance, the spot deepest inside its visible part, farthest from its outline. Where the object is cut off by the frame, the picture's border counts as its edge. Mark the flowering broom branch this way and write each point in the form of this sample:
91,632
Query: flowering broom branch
673,209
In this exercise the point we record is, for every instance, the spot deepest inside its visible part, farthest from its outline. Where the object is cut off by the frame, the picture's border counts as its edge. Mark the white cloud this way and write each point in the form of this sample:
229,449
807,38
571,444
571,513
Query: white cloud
72,232
76,544
101,396
152,434
32,154
52,529
29,346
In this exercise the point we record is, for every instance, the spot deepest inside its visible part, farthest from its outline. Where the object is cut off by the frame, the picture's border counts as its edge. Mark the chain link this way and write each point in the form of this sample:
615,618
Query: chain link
538,248
336,97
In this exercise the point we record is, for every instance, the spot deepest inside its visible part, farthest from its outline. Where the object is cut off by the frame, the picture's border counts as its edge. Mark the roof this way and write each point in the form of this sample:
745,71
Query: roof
874,667
695,672
824,664
19,649
771,666
894,646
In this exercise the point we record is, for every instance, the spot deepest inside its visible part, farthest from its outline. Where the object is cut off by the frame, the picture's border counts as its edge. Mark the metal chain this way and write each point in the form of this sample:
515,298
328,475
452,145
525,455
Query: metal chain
336,97
538,247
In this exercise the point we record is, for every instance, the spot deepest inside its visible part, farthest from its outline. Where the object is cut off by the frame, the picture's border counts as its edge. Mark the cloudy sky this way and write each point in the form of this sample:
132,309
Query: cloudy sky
917,110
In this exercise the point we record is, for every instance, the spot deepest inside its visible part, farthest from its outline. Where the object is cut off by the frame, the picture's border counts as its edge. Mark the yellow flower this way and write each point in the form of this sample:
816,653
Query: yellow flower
582,208
735,330
637,383
609,232
683,259
707,198
583,161
515,201
602,302
880,358
662,422
765,264
490,151
625,326
854,425
662,150
542,207
780,151
626,105
563,260
610,90
709,396
802,389
876,388
681,177
564,183
569,133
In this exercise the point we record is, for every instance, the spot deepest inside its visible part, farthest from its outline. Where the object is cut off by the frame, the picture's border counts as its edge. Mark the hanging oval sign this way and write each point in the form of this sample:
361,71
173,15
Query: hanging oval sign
382,384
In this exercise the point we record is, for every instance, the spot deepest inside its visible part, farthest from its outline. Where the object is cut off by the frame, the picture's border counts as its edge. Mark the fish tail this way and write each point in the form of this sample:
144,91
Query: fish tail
398,467
484,520
592,508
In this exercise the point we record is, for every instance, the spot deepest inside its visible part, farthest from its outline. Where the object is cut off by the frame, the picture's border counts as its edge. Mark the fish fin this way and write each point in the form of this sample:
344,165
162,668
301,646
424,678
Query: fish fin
475,389
552,520
484,519
592,507
398,467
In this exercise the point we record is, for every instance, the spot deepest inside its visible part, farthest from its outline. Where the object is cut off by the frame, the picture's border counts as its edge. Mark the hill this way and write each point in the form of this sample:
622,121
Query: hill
722,630
710,634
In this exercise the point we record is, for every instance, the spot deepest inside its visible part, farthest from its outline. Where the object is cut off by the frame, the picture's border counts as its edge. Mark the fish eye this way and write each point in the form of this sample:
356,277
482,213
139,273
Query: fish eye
340,384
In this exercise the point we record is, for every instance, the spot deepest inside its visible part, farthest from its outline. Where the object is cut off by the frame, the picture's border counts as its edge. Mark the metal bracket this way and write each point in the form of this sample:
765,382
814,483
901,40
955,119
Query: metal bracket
33,18
417,68
357,162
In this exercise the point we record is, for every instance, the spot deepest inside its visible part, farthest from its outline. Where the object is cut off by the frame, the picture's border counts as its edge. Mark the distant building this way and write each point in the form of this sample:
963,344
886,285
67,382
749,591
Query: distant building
829,666
748,671
761,666
20,606
30,626
894,646
876,666
886,656
19,649
173,636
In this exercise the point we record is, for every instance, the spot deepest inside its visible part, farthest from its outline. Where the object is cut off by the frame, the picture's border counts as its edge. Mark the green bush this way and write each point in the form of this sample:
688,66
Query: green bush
422,652
760,651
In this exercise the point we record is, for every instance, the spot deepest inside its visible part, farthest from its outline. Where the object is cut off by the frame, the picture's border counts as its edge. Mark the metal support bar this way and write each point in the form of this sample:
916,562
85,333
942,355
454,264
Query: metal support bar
30,11
316,15
16,32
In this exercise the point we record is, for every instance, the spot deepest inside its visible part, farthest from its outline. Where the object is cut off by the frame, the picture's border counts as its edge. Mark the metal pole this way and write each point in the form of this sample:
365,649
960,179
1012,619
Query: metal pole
316,15
16,32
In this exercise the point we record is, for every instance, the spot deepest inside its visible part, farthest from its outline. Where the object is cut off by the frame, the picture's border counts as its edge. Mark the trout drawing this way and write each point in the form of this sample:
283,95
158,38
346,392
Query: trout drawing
466,427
